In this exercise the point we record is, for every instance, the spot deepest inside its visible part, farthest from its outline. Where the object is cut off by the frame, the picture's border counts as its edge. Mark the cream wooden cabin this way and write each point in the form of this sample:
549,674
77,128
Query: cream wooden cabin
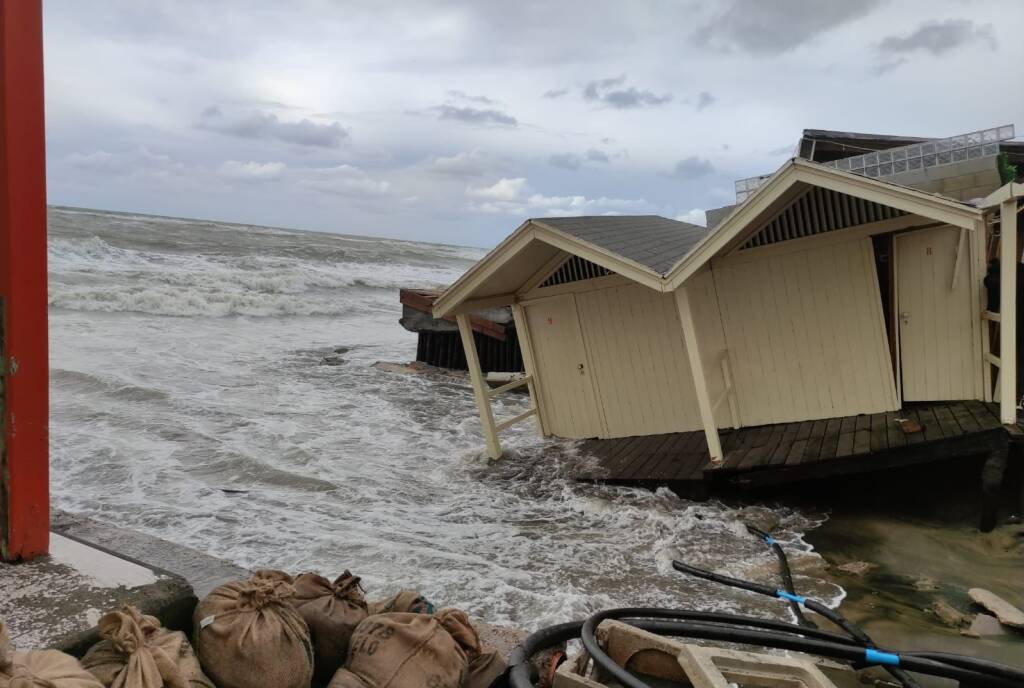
783,312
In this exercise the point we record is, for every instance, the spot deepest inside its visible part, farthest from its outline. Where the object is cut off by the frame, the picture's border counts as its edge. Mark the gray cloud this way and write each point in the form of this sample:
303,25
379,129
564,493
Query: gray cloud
555,93
262,125
692,168
574,161
462,95
468,164
771,28
937,38
704,100
476,115
567,161
607,91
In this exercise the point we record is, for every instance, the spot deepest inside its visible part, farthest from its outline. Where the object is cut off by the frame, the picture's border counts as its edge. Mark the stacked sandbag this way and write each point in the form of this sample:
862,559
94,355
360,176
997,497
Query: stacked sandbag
406,601
402,650
332,611
137,652
40,668
248,635
485,663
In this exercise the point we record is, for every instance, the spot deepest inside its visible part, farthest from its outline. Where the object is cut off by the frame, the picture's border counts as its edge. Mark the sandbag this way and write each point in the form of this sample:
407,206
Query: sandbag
332,611
248,635
406,601
402,650
137,652
485,663
40,668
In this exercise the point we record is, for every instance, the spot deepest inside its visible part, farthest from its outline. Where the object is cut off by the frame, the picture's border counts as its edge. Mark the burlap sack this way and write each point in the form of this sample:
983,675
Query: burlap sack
407,601
40,668
248,635
136,652
332,611
485,663
401,651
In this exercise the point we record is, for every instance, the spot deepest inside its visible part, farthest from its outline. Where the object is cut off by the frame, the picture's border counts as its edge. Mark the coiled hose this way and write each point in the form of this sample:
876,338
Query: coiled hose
855,647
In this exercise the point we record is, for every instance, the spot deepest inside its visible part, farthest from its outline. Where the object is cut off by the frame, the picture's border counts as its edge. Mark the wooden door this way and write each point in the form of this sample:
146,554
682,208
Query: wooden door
934,314
569,402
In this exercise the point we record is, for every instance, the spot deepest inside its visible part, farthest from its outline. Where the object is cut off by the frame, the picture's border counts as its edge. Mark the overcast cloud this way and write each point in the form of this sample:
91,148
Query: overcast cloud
454,121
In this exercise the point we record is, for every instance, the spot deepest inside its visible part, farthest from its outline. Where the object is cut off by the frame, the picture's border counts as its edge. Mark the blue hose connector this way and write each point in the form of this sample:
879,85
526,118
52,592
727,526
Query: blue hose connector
873,656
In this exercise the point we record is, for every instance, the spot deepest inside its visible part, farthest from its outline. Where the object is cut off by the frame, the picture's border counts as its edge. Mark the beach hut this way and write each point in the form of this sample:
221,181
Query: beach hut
823,296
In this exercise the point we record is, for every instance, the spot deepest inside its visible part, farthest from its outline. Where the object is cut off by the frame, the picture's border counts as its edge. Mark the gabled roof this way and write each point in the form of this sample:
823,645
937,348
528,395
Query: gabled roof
652,241
784,184
661,253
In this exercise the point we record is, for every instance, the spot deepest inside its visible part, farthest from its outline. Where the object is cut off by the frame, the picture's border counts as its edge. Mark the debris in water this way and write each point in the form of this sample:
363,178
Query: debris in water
230,490
857,568
1007,614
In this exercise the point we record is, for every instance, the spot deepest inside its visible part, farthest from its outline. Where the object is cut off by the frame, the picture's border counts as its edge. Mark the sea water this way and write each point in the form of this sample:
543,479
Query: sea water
213,385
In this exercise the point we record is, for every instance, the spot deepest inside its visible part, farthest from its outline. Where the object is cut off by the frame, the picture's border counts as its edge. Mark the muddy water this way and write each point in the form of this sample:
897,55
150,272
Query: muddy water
918,564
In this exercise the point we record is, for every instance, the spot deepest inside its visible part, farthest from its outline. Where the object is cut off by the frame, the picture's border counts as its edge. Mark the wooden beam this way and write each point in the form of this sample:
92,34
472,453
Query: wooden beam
480,389
960,242
519,417
700,383
529,363
1008,311
482,304
423,301
24,366
514,384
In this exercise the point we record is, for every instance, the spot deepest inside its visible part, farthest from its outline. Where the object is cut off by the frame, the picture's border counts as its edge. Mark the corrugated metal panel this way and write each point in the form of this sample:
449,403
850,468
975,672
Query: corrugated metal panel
573,270
819,211
806,334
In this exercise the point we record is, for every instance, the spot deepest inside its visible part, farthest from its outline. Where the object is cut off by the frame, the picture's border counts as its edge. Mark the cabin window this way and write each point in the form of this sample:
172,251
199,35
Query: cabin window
574,270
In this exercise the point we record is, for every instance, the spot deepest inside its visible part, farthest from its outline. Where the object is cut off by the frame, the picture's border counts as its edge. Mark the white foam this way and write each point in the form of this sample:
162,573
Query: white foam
343,466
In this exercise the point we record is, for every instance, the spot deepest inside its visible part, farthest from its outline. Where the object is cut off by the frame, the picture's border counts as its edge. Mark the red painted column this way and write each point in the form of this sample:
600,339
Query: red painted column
24,367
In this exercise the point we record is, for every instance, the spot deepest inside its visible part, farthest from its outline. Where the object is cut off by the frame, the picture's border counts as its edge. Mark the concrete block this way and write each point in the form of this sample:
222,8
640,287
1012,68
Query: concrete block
680,663
56,601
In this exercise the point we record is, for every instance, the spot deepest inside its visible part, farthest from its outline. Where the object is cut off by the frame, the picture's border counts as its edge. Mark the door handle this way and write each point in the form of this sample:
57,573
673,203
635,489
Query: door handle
580,368
905,317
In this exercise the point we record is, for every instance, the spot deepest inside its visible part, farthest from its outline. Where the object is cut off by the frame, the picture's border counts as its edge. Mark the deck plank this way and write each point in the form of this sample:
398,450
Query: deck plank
893,434
778,455
910,413
879,441
862,435
932,429
814,441
964,418
847,428
944,415
830,442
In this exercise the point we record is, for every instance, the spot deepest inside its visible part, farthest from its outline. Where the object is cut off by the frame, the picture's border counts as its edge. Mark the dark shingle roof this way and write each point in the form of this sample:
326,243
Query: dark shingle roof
650,240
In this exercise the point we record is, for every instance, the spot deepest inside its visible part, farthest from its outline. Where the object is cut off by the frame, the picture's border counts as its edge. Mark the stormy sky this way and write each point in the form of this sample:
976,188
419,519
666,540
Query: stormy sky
455,121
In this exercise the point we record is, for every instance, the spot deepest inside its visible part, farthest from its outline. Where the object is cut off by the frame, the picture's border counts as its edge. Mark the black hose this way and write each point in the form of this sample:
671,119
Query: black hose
784,573
835,617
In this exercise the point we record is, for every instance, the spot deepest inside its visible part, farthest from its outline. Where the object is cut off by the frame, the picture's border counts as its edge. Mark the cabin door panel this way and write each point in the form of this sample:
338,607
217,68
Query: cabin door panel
566,382
936,343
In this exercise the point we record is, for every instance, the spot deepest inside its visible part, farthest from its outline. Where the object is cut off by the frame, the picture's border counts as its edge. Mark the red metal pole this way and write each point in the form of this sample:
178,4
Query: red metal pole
24,366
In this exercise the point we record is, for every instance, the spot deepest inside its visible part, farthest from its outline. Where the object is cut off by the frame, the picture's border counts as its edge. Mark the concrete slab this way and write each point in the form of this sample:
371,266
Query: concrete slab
56,601
202,571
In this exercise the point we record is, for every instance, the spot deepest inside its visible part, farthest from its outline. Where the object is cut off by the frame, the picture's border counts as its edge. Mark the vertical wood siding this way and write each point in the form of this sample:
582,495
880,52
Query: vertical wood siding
936,340
640,364
806,334
569,403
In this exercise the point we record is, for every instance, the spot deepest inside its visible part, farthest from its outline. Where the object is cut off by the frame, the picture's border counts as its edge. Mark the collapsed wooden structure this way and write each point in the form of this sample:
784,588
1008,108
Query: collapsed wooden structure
822,297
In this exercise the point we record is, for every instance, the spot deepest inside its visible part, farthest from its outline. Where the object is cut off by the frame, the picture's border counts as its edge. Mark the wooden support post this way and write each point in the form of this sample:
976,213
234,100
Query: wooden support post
707,414
24,366
1008,311
480,389
529,364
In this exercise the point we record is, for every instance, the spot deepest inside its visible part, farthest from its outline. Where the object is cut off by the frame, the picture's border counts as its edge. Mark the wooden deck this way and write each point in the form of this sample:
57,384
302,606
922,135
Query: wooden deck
792,452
